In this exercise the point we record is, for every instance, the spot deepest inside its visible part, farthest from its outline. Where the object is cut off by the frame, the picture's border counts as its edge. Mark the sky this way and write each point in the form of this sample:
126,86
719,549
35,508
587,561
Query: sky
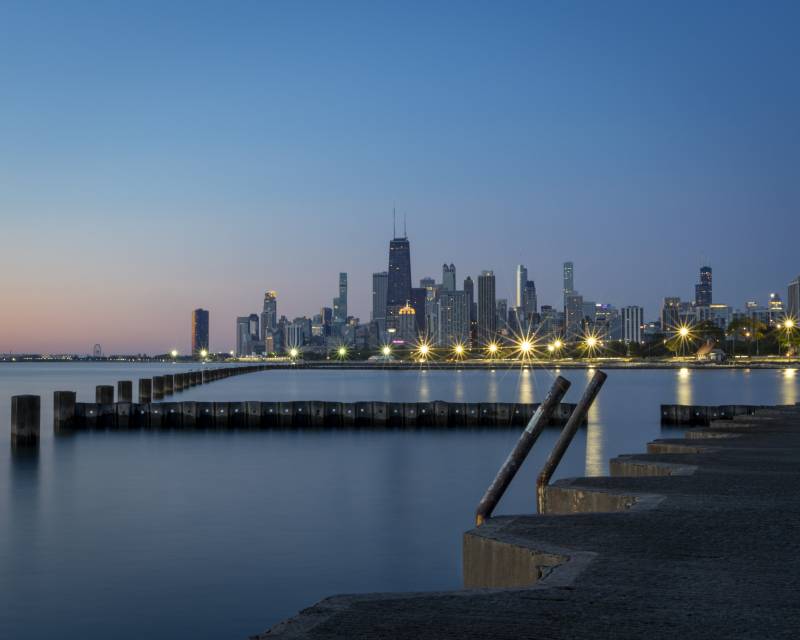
161,156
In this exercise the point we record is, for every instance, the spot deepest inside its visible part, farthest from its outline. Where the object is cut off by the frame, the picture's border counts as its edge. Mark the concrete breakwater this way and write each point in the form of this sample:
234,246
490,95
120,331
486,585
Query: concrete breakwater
688,540
71,415
687,414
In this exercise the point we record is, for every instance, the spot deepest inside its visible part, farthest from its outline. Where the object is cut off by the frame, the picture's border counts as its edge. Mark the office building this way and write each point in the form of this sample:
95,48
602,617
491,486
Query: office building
569,282
199,331
472,305
502,314
269,315
448,277
380,283
398,289
487,307
340,302
573,315
702,291
418,297
670,314
520,281
406,325
453,322
530,304
243,341
632,321
793,300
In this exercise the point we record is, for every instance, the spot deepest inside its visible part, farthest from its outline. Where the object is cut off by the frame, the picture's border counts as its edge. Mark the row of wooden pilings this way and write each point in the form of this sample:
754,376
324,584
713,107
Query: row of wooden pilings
689,414
26,409
297,414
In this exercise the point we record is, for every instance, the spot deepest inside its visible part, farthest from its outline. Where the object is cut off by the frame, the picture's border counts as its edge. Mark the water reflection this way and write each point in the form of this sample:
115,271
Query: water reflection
459,386
423,386
525,387
789,386
492,387
684,387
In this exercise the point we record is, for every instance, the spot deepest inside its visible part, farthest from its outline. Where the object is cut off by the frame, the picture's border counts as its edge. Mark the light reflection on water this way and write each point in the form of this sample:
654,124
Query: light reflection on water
227,526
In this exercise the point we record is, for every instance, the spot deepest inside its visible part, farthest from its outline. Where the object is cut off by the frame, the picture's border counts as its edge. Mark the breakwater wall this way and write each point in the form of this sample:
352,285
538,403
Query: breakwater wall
688,414
298,414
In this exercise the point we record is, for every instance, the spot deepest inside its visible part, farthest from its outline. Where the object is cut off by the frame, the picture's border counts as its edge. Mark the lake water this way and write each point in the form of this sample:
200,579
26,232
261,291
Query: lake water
221,535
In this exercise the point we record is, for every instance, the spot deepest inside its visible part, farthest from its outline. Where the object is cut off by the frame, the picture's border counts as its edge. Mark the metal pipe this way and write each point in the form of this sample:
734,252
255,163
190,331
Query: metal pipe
567,434
517,456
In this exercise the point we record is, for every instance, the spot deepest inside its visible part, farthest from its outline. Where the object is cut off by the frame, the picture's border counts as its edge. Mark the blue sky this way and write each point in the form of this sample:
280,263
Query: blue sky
156,157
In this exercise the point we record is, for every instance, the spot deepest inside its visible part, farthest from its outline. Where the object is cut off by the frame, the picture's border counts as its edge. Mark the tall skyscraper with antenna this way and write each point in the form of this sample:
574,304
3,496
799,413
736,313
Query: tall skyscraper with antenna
398,290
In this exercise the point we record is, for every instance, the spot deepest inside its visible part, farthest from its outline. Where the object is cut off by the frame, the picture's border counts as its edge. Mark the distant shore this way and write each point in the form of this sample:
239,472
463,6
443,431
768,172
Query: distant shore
404,365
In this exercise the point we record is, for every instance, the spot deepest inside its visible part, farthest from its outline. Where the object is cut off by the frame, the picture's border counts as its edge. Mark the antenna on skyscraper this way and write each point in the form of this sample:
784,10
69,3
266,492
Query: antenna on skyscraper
405,233
394,222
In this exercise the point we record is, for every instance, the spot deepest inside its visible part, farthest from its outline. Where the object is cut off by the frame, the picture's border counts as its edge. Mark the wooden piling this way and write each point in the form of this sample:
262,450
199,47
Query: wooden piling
124,391
158,387
104,394
145,390
25,414
169,381
63,411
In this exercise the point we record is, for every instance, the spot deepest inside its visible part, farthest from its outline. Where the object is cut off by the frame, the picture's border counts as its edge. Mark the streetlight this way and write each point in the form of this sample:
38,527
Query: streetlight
174,353
203,353
294,352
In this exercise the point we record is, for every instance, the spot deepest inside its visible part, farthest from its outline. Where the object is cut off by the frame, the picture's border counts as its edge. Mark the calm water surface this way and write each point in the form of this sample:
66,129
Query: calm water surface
220,535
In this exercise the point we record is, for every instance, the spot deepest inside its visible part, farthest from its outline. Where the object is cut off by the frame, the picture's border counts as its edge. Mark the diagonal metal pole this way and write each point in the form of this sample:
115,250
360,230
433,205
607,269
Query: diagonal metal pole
567,434
517,456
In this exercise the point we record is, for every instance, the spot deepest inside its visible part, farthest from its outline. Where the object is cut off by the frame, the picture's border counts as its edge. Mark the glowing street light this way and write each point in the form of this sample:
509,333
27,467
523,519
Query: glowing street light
459,351
294,352
683,332
341,352
203,353
492,349
386,351
174,353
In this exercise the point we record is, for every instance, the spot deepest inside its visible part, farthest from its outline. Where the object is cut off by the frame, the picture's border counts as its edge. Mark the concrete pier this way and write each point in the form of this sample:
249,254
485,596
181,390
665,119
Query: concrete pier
25,414
693,540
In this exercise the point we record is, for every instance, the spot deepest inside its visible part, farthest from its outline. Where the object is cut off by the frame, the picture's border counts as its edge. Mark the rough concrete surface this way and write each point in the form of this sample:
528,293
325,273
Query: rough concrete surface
714,555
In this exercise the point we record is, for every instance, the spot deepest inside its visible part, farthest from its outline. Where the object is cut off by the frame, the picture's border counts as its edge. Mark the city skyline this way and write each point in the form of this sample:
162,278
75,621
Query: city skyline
167,174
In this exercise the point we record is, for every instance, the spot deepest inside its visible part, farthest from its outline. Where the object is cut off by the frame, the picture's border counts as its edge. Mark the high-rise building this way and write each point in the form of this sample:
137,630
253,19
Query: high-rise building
793,300
269,316
573,315
243,341
487,307
453,318
418,297
469,290
520,280
702,291
380,282
529,301
406,324
398,289
199,331
569,282
670,314
632,320
340,301
427,282
448,277
502,314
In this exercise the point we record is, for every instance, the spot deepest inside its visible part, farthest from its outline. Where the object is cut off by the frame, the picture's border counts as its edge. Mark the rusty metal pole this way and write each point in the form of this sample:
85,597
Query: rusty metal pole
517,456
567,434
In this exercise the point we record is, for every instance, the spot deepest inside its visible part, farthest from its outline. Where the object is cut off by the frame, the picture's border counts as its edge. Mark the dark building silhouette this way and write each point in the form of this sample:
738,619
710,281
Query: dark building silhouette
398,290
487,308
199,331
702,291
418,295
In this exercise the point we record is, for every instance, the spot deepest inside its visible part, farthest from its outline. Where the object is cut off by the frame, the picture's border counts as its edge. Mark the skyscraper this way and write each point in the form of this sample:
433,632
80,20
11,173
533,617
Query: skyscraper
632,320
573,315
199,331
340,302
702,291
569,284
380,282
398,288
529,300
469,290
453,318
502,313
448,277
793,299
243,342
487,307
520,281
269,315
